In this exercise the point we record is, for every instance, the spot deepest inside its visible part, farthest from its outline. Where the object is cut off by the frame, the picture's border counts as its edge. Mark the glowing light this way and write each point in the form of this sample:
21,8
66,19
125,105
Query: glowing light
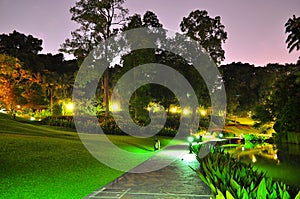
173,109
148,108
190,139
275,157
253,159
32,118
186,111
70,106
243,148
188,158
203,112
115,107
18,106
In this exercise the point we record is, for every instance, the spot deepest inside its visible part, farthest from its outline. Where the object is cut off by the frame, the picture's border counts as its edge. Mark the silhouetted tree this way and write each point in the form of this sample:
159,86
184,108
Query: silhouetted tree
209,32
292,27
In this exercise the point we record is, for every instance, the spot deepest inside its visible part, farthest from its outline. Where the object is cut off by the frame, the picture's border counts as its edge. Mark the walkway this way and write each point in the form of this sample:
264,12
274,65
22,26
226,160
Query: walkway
177,180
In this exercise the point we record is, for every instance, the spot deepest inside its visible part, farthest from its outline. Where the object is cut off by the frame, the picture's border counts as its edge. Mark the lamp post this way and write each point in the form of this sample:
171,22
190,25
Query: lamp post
190,140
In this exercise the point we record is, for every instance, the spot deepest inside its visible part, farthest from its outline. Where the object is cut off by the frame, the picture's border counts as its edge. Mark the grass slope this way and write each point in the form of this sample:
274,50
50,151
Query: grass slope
39,161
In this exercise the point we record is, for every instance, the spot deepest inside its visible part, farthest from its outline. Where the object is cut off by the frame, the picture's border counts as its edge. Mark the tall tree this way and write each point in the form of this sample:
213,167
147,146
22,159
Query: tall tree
292,27
209,32
96,20
142,97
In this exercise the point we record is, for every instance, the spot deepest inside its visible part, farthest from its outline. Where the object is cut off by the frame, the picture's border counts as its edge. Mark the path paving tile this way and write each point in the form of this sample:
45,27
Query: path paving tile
177,180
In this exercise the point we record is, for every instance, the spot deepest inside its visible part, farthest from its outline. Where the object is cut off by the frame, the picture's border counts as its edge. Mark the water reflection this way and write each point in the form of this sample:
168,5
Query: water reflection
278,161
265,151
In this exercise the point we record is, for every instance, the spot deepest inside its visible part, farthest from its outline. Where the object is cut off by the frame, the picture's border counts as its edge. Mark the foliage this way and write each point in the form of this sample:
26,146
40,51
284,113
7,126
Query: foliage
254,138
229,178
208,31
61,121
16,43
280,104
292,27
14,81
96,19
57,110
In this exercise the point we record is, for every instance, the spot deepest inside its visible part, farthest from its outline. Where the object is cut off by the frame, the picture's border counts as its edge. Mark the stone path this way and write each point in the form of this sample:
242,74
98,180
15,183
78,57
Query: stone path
177,180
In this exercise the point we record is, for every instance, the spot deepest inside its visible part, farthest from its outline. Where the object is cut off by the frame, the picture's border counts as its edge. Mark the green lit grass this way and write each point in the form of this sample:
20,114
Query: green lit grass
47,162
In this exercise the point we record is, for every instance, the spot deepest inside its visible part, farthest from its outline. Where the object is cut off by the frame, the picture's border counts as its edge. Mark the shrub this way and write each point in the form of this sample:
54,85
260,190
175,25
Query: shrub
229,178
254,138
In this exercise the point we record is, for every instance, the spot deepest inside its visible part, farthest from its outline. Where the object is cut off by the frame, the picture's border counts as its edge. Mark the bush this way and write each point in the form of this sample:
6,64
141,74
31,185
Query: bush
254,138
108,125
61,121
229,178
168,132
57,110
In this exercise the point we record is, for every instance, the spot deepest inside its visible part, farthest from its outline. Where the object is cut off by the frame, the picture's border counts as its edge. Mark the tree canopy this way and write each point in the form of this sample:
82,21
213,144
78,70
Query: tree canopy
209,32
292,27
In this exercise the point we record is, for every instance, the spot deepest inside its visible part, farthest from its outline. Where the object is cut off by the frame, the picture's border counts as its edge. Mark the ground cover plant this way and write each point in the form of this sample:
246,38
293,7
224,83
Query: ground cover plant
229,178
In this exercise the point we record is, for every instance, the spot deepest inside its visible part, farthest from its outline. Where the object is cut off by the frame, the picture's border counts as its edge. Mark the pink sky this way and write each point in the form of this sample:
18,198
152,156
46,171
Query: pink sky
255,28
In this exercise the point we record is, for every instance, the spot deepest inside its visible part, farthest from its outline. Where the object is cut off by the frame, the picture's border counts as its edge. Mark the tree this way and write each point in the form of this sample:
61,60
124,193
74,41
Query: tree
13,82
281,104
292,27
17,43
141,98
57,86
209,32
24,47
96,19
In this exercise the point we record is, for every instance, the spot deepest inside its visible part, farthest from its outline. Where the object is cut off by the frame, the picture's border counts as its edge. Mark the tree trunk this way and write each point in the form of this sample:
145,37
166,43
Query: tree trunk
106,99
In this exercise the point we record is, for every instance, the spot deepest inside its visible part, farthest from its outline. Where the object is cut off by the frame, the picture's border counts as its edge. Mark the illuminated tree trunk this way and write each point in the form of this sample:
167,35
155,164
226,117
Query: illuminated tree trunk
106,93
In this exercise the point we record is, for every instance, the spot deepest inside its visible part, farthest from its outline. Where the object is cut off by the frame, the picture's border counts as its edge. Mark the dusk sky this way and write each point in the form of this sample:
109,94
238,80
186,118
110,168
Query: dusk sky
255,28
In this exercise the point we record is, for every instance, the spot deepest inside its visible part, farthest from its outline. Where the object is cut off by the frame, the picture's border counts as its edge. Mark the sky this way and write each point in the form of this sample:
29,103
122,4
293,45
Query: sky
255,28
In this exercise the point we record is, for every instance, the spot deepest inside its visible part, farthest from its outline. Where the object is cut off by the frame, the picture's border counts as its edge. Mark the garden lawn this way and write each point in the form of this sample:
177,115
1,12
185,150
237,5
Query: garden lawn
38,161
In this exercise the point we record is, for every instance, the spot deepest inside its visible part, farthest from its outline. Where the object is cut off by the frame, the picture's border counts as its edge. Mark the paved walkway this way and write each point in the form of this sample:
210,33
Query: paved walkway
177,180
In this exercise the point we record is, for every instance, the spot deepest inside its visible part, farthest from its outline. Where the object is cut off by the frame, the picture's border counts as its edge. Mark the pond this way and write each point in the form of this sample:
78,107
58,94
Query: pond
281,162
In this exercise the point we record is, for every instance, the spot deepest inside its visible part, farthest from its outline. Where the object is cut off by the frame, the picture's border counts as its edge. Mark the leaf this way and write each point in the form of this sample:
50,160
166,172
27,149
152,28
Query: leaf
280,190
273,194
218,173
212,187
228,195
298,195
286,195
220,195
252,186
234,184
262,189
245,193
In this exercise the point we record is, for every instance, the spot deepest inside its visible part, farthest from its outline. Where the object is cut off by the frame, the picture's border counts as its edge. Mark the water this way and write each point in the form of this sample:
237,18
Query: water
281,162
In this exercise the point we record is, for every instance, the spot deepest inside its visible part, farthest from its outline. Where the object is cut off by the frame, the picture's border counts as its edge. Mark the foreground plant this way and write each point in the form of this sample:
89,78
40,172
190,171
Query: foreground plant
229,178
